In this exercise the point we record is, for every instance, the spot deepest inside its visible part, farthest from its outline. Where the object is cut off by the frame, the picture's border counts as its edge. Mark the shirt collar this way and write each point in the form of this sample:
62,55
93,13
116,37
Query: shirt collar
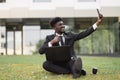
59,34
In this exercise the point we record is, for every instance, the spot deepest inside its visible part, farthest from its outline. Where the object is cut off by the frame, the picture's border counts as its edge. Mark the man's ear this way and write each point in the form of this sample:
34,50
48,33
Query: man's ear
54,27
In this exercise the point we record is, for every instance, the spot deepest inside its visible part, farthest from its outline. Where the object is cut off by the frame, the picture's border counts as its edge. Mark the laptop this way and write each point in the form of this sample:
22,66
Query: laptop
58,54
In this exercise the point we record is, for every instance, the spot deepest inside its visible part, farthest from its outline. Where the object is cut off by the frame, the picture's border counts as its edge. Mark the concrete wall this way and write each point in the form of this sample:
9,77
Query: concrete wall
63,8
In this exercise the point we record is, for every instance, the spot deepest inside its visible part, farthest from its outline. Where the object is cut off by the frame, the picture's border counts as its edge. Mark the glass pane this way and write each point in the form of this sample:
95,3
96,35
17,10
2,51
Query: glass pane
104,40
10,43
18,42
2,39
114,41
100,41
31,37
86,45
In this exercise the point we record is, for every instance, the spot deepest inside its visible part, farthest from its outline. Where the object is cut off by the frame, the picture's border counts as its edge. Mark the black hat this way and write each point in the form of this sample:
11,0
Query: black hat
54,21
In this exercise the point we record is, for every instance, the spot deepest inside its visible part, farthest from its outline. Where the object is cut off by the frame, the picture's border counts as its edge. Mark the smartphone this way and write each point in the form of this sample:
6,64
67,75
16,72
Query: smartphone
99,13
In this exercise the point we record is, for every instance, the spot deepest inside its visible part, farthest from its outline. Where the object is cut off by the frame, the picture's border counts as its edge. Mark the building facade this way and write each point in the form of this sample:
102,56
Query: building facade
24,23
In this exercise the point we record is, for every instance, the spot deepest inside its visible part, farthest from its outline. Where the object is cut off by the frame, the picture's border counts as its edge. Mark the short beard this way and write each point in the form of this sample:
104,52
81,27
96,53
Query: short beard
60,32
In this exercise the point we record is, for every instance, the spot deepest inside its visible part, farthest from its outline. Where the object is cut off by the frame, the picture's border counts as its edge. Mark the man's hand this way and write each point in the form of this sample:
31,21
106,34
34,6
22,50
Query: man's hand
55,40
100,17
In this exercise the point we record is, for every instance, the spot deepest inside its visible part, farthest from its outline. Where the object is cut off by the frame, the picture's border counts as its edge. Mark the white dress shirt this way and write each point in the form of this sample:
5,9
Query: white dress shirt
50,45
63,38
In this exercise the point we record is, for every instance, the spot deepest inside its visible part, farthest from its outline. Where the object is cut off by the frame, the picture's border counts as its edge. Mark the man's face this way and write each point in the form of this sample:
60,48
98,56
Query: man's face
59,27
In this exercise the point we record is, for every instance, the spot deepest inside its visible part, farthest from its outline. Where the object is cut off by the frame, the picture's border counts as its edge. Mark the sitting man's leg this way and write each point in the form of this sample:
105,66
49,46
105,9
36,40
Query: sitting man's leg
51,67
76,67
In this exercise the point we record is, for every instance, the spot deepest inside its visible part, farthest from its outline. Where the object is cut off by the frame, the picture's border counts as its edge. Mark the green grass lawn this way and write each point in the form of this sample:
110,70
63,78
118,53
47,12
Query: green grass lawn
30,68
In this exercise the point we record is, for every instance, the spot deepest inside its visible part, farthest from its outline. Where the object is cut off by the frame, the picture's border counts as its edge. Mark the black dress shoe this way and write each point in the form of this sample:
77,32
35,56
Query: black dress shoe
83,72
76,75
78,65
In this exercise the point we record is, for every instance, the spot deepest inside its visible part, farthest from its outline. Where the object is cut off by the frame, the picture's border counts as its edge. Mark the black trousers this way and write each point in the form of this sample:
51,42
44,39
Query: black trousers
59,67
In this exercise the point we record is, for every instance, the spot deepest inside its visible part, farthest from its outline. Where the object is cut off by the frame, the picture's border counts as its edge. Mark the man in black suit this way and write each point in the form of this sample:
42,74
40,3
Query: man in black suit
60,38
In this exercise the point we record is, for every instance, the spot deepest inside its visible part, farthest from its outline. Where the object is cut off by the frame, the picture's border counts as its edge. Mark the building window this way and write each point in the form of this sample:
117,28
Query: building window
2,1
41,0
44,23
86,0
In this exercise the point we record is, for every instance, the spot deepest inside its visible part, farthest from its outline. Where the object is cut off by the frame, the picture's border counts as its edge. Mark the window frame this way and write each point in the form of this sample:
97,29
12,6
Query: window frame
2,1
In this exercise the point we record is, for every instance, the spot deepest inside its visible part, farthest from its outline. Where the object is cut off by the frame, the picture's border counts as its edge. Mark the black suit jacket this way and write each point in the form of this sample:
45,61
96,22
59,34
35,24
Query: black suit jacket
70,38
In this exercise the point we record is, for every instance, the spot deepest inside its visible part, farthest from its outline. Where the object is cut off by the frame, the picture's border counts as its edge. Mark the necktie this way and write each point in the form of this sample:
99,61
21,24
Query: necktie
61,40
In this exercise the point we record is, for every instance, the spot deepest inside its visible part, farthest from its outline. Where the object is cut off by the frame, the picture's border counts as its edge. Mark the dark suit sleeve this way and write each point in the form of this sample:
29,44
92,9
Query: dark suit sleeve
84,33
42,49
